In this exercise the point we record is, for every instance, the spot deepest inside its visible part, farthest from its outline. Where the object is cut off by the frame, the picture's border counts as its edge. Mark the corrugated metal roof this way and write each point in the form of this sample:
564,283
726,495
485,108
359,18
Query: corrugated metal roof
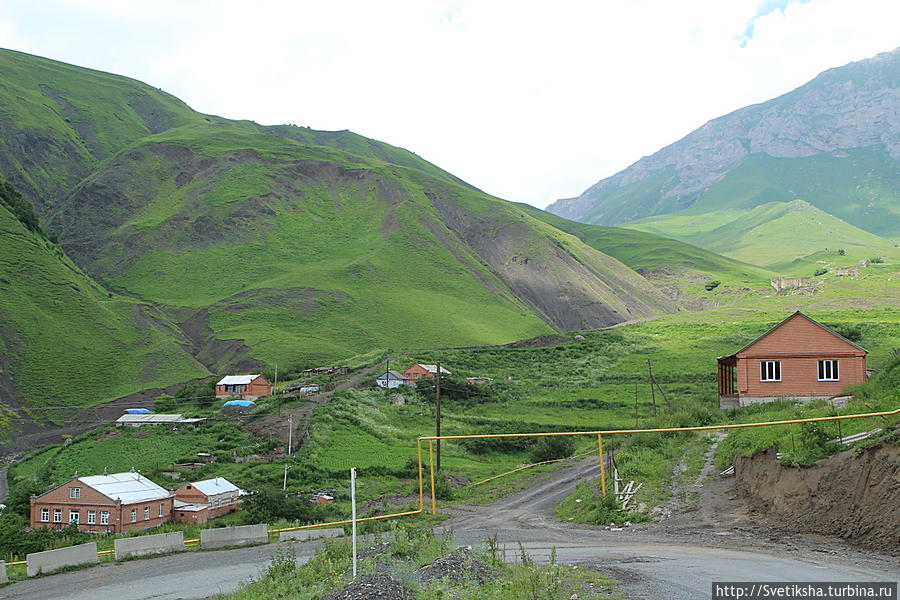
390,375
187,506
128,487
433,369
154,418
211,487
237,379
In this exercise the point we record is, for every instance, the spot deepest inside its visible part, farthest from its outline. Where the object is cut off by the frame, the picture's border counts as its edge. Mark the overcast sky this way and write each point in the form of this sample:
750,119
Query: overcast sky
529,101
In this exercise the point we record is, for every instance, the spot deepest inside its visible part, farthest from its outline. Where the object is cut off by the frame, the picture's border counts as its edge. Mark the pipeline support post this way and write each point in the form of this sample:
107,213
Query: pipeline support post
421,477
431,461
602,465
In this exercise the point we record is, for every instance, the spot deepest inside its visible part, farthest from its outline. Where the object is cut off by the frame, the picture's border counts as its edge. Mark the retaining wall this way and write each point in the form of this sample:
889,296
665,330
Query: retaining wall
309,534
159,543
3,578
234,536
50,560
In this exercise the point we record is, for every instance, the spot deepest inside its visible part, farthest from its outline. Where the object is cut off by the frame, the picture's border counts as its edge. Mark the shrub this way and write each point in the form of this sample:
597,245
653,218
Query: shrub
711,285
820,271
552,448
876,259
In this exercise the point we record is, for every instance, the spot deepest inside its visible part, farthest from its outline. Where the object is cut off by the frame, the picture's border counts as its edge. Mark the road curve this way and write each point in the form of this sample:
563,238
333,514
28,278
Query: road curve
652,562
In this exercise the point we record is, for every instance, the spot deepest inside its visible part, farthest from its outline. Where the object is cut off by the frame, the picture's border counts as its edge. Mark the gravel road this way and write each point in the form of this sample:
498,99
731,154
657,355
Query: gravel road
677,559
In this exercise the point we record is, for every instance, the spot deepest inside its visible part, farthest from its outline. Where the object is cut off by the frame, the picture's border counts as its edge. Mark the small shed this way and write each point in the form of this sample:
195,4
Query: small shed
247,387
130,420
420,370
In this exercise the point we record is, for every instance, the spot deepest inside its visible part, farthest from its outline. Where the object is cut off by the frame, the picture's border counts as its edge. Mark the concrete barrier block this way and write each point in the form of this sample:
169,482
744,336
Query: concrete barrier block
51,560
159,543
3,577
234,536
302,535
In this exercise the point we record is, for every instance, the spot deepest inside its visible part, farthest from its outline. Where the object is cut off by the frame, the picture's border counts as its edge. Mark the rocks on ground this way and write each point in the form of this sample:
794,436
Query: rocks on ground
380,586
456,567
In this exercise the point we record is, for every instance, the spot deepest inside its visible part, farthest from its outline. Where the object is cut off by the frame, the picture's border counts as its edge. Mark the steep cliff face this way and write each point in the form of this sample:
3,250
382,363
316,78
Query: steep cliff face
851,107
854,494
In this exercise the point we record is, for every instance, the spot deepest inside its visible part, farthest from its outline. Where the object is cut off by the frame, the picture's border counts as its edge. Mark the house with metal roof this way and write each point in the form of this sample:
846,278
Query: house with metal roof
390,380
798,359
248,387
419,370
104,503
200,501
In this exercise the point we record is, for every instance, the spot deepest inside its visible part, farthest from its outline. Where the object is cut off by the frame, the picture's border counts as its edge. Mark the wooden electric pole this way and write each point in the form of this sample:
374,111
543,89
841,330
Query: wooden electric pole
652,391
437,416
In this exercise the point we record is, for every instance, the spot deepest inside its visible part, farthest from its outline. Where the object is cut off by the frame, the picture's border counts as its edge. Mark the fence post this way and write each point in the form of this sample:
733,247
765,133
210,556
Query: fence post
602,465
431,461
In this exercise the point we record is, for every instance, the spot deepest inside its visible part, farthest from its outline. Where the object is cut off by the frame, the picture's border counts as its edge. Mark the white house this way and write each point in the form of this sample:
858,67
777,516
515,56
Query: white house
390,380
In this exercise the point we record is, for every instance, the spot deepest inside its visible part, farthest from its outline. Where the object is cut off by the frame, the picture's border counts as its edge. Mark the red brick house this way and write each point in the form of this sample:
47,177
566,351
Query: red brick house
798,359
248,387
116,503
417,371
200,501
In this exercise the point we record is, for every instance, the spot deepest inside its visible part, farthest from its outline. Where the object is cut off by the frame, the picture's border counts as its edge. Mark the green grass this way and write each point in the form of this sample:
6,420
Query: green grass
71,342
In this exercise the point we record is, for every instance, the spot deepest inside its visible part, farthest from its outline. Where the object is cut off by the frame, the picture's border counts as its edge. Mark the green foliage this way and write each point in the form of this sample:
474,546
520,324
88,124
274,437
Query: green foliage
876,260
269,504
820,271
20,208
165,403
841,252
711,285
552,448
17,540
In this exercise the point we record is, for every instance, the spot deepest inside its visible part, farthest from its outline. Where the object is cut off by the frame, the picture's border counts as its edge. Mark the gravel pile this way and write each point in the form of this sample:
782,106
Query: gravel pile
377,586
456,567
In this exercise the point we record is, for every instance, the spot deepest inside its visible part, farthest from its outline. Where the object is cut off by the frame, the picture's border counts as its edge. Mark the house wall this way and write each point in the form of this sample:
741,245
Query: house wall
415,372
253,390
219,504
90,499
799,344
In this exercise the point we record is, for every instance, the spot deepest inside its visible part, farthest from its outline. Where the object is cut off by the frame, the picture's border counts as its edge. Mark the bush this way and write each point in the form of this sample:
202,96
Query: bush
164,404
711,285
552,448
876,259
818,272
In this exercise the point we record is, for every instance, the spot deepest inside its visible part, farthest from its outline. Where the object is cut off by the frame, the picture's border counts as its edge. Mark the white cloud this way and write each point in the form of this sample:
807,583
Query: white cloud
527,101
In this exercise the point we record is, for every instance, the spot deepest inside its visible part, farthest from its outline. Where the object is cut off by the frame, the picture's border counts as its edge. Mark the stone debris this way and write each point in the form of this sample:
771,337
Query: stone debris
456,567
377,586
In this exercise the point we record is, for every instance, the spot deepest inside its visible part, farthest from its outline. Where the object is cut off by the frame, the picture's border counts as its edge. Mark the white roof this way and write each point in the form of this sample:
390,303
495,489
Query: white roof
128,487
237,379
433,369
179,505
154,418
211,487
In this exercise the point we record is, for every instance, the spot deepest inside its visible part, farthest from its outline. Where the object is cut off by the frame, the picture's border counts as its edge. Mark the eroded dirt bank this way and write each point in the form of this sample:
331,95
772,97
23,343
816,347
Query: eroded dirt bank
854,495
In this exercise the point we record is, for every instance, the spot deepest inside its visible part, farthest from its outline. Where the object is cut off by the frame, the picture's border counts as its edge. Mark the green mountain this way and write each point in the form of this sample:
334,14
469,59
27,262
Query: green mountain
66,340
281,244
834,143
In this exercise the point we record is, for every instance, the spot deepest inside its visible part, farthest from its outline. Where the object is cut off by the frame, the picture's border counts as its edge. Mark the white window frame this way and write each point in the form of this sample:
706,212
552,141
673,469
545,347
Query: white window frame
829,369
147,513
45,515
57,515
134,515
162,510
75,516
74,493
770,370
92,517
104,517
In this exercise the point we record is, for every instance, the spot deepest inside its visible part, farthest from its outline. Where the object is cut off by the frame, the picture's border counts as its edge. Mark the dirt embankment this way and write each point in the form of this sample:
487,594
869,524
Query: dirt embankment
854,495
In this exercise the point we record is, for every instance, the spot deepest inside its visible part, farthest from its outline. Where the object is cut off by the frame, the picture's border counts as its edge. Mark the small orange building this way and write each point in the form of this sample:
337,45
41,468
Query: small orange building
418,371
798,359
200,501
115,503
249,387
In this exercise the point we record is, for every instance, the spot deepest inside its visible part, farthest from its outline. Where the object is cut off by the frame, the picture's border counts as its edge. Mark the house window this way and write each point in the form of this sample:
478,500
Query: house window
57,515
134,515
828,370
162,509
74,516
770,370
45,515
74,492
104,517
92,517
146,513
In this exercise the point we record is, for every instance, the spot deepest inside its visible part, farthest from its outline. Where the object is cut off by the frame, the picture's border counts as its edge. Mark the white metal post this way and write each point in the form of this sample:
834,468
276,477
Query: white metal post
353,514
284,485
290,433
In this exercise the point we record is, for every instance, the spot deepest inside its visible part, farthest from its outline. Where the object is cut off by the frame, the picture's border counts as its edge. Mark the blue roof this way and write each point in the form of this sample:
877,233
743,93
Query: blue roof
240,403
137,411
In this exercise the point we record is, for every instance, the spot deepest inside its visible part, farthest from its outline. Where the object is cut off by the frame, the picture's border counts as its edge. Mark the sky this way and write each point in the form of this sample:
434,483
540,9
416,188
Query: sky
529,101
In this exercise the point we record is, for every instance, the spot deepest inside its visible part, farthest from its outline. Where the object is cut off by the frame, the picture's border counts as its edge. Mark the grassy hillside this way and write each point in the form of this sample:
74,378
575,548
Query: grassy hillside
774,235
67,341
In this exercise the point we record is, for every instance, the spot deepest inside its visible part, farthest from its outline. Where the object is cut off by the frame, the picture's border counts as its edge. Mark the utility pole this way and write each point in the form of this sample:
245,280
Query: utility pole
275,385
284,485
636,421
652,391
437,416
290,433
353,514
